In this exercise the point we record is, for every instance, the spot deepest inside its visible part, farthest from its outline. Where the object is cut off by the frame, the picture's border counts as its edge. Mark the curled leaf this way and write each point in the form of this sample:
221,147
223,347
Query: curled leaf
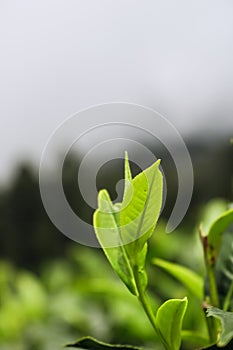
226,319
169,319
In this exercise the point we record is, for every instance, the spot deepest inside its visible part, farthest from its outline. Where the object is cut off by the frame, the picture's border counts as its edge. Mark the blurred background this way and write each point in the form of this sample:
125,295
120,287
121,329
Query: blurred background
58,57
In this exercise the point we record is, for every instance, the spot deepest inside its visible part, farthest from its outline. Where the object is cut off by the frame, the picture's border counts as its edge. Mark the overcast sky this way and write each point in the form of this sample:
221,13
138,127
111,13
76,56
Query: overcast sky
59,56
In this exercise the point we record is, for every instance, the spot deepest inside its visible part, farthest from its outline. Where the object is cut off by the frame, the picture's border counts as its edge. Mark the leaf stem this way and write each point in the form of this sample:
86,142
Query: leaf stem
214,300
228,297
143,299
212,323
210,264
213,291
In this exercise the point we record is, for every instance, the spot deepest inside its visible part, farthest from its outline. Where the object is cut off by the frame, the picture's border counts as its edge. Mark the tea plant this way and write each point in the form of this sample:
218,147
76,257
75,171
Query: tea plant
123,231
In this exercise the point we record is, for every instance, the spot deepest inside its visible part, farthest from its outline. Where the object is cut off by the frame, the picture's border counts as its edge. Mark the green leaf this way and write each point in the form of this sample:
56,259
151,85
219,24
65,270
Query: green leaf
212,210
139,214
217,228
214,234
90,343
141,208
106,221
191,280
226,319
169,320
128,175
124,229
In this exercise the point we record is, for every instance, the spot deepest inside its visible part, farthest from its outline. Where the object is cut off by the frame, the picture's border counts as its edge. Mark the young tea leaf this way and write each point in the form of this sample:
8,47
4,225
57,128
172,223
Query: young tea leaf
106,225
191,280
141,208
128,175
213,209
169,319
214,234
226,319
90,343
139,214
123,230
217,228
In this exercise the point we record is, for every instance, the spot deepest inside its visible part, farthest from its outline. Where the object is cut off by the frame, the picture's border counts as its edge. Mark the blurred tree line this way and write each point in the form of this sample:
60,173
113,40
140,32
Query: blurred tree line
27,237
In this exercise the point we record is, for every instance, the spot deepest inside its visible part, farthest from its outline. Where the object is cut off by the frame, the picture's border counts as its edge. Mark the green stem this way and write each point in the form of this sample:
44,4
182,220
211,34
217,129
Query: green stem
228,297
212,324
209,263
143,299
214,300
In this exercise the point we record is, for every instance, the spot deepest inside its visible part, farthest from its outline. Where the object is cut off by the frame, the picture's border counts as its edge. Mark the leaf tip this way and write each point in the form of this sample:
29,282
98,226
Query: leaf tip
103,194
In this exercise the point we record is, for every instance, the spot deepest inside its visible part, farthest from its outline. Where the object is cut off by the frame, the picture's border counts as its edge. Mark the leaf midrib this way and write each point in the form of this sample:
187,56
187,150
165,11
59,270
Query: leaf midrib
145,207
121,246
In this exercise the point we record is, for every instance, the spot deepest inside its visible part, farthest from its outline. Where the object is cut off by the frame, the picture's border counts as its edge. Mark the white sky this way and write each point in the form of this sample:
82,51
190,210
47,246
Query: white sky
59,56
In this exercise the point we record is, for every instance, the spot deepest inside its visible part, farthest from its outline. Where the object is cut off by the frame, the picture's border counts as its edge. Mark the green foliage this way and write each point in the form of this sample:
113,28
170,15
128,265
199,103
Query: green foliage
131,223
169,320
81,294
123,229
129,226
19,291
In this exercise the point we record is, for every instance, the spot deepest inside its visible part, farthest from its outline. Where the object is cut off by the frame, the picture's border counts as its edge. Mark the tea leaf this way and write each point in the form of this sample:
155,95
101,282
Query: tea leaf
106,221
127,227
217,228
214,234
187,277
128,175
226,319
169,320
141,208
140,211
212,210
